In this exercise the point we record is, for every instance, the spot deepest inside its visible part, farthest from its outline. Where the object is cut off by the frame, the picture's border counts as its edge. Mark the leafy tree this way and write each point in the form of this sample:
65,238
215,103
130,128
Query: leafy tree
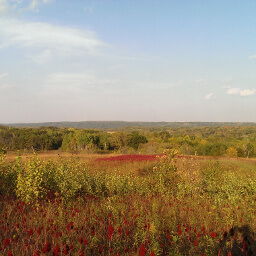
135,139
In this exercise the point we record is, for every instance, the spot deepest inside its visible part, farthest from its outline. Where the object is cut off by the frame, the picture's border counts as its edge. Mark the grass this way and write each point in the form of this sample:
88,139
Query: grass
57,205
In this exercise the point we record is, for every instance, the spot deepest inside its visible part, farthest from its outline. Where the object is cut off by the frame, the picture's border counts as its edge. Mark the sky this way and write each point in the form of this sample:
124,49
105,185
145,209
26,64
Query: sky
136,60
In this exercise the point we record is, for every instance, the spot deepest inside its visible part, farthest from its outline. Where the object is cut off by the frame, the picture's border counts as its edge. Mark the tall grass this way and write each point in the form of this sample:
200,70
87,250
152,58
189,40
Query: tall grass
166,207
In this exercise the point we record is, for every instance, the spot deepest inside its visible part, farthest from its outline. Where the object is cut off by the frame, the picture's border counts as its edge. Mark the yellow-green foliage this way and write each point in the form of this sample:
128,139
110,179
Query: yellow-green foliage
177,207
30,181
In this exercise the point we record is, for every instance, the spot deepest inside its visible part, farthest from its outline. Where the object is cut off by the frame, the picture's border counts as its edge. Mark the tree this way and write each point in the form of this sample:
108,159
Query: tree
135,139
231,152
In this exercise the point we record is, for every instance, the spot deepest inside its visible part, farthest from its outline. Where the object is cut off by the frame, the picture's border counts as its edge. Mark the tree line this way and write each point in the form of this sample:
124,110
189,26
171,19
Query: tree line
238,141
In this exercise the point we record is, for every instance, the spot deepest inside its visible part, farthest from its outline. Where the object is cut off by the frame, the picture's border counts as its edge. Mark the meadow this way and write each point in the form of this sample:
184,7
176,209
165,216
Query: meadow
167,204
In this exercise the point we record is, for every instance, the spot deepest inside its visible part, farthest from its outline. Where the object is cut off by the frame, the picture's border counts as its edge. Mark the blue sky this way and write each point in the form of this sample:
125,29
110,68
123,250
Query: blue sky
136,60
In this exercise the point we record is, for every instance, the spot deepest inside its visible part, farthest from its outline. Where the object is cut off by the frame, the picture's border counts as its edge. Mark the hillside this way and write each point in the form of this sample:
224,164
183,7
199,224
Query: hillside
122,124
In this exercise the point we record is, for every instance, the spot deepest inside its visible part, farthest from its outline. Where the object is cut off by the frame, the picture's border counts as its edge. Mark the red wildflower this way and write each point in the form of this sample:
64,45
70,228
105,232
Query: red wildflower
36,253
110,231
46,248
80,240
66,249
152,253
10,253
213,234
142,250
85,242
196,242
244,245
81,253
56,250
31,232
6,242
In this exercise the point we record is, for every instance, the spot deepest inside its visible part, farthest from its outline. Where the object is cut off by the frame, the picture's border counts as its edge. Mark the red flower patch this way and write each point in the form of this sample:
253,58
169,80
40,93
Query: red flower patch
142,250
110,231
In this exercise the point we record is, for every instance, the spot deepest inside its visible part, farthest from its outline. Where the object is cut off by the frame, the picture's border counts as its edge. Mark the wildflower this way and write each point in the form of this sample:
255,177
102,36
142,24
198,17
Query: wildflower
46,248
110,231
31,232
196,242
66,249
56,250
213,234
142,250
36,253
10,253
152,253
6,242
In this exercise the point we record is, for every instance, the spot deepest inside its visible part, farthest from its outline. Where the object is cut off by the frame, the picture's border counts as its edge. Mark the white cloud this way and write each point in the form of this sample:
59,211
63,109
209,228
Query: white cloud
48,1
4,7
237,91
35,4
39,35
74,81
88,9
233,91
209,96
227,80
42,57
200,81
180,82
252,56
247,92
4,75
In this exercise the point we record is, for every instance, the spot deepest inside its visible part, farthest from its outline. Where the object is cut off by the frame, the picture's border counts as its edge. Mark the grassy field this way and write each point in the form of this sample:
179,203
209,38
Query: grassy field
78,204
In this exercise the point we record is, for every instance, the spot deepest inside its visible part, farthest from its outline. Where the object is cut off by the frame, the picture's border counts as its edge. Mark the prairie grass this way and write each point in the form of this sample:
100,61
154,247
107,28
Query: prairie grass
168,206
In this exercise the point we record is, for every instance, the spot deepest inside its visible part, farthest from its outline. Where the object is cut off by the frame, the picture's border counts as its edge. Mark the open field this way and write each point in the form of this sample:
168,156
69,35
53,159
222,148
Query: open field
84,204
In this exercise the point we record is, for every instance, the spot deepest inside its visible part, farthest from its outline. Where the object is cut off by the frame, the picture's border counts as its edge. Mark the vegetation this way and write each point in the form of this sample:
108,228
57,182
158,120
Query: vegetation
127,205
123,124
238,141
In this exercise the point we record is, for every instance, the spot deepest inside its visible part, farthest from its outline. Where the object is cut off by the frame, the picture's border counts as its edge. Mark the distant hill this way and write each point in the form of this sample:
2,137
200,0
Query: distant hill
122,124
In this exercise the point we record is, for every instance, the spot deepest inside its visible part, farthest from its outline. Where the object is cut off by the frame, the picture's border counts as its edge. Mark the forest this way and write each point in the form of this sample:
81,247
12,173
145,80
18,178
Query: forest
232,141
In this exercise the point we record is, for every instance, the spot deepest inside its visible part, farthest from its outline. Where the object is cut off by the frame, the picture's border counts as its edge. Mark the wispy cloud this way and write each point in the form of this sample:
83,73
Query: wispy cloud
238,91
233,91
4,7
74,81
88,9
200,81
4,75
247,92
227,80
252,56
209,96
39,35
17,6
180,82
42,57
35,5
